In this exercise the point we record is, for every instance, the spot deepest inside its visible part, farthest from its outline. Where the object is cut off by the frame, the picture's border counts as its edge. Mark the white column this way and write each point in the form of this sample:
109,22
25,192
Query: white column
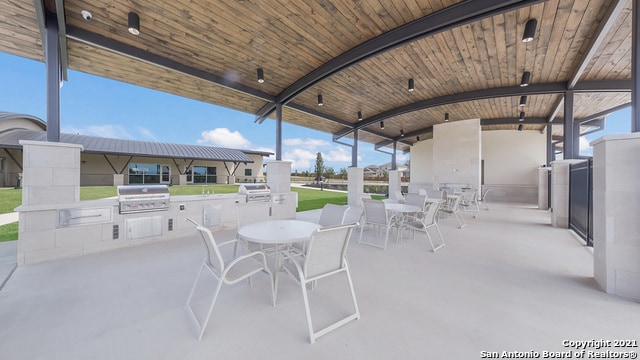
394,183
279,176
118,179
560,192
51,172
355,185
543,188
616,209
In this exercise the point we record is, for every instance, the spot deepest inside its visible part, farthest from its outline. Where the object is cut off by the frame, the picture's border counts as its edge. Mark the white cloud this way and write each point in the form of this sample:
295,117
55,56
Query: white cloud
106,131
307,143
146,133
338,154
585,148
225,138
300,159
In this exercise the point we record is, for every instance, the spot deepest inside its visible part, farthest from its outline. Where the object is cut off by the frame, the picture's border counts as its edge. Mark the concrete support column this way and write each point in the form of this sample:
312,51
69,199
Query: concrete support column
560,192
394,183
182,179
355,185
51,173
616,205
118,179
279,176
543,188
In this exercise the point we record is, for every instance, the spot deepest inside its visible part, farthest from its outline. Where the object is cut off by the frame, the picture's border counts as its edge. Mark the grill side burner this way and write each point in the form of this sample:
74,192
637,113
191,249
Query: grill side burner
143,198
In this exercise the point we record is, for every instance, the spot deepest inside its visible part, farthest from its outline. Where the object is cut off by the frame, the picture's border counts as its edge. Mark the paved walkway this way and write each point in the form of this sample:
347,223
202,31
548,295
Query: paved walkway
8,218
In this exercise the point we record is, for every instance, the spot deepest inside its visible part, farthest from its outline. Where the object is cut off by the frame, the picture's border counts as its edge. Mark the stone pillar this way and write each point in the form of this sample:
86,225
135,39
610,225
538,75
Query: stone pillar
279,176
394,183
543,188
616,206
560,192
182,179
355,185
118,179
51,173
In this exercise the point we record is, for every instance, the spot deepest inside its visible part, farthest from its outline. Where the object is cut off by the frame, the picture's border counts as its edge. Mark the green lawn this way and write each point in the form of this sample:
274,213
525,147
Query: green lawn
308,199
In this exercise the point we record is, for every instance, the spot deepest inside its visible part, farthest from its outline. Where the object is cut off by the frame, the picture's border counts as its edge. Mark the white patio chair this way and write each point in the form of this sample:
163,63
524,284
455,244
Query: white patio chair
333,215
482,198
226,272
375,214
452,206
418,200
326,256
469,202
426,220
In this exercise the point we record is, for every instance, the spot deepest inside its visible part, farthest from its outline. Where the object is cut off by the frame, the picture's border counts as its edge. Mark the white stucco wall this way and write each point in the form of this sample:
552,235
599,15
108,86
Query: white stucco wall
512,157
456,153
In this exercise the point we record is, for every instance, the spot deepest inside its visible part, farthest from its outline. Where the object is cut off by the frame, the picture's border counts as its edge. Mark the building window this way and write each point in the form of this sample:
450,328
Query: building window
247,172
204,175
148,174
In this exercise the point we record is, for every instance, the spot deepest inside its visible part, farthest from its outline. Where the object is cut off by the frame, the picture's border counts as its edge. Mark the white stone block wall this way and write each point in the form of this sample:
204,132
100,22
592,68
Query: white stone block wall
279,176
355,185
616,214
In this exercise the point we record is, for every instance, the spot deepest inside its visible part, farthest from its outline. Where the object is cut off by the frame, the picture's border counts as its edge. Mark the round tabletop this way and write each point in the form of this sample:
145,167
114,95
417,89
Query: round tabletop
401,208
278,231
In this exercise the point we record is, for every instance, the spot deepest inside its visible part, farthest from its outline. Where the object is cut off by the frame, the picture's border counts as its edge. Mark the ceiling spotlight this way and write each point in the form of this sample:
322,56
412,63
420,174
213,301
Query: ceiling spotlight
521,118
359,115
446,116
520,127
401,132
320,103
86,15
134,23
381,124
260,75
523,100
529,30
410,87
417,138
526,77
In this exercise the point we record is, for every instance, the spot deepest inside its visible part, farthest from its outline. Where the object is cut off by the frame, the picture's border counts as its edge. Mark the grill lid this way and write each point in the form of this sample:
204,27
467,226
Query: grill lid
254,189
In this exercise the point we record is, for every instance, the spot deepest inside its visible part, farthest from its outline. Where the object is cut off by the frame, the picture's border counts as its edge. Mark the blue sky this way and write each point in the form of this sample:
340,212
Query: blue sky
96,106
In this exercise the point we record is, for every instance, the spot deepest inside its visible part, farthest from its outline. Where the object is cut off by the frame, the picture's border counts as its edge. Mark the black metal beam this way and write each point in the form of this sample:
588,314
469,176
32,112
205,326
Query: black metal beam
533,89
568,137
451,17
53,74
513,120
62,38
100,41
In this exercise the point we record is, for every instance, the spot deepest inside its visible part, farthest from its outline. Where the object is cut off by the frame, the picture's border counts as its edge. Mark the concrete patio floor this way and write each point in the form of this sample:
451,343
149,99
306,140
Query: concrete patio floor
506,282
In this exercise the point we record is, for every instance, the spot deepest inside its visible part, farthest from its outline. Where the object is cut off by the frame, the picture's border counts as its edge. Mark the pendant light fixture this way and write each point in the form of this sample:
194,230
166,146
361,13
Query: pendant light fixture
410,87
526,77
260,75
521,118
529,30
520,127
320,103
381,124
446,117
523,101
359,115
134,23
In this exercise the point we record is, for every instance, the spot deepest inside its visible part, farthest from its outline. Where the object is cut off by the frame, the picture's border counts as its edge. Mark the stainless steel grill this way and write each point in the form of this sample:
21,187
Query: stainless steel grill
141,198
255,192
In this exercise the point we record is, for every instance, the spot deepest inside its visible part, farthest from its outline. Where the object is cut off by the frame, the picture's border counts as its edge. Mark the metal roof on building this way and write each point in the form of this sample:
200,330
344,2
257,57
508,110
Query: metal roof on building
99,145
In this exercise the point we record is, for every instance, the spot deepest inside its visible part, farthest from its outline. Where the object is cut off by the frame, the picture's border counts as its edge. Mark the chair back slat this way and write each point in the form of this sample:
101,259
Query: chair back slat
374,212
415,199
214,257
326,250
430,213
333,215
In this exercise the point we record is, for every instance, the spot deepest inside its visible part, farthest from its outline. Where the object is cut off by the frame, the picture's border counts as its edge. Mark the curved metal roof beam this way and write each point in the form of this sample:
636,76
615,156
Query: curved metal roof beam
445,19
533,89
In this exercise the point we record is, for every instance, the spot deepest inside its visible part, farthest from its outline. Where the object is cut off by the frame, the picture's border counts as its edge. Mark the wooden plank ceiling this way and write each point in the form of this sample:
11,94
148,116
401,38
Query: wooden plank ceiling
470,67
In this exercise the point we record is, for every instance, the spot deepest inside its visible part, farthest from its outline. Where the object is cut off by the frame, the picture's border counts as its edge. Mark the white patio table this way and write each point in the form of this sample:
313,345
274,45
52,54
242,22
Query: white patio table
399,215
280,233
